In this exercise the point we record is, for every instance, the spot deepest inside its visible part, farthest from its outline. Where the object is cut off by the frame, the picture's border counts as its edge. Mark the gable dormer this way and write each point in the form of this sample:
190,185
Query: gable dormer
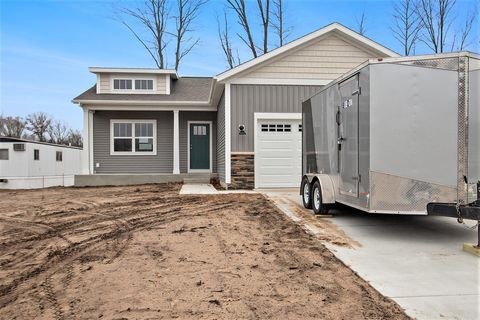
134,80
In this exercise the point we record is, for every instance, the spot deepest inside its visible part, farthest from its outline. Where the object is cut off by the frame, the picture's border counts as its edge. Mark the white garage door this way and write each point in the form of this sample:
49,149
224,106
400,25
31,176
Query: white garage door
278,153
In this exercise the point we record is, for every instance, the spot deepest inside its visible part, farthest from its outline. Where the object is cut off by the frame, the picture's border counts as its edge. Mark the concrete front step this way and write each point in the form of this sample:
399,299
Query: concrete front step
197,179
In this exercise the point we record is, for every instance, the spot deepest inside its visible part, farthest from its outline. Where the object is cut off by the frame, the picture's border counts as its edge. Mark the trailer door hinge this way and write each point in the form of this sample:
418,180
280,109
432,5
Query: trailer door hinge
358,91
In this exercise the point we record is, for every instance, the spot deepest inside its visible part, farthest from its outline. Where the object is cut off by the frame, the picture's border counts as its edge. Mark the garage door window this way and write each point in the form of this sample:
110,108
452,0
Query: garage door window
276,127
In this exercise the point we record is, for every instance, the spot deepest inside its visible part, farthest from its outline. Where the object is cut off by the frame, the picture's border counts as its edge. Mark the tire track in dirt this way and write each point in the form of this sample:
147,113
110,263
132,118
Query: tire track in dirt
75,250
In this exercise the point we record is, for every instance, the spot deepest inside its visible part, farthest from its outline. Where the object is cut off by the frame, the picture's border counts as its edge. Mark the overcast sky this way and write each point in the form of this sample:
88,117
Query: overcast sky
47,46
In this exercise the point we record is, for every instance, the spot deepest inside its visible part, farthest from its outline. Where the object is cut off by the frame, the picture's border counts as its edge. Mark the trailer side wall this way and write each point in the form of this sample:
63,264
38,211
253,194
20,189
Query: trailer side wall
474,123
413,137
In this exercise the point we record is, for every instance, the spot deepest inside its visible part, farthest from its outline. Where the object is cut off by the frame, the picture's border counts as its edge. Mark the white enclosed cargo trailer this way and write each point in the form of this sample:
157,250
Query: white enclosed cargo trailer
396,135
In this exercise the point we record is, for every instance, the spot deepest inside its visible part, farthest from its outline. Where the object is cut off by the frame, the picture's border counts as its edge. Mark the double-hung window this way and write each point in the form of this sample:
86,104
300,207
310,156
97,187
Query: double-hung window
133,137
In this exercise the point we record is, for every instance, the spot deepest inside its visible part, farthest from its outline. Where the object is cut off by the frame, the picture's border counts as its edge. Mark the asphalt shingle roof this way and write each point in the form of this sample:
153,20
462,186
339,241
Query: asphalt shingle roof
194,89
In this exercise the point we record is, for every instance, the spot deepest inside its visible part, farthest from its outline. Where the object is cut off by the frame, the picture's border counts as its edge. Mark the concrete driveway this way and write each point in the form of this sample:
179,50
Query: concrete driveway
415,260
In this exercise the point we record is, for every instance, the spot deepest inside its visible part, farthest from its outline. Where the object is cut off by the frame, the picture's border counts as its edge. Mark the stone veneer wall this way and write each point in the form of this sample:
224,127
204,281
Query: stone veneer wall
243,174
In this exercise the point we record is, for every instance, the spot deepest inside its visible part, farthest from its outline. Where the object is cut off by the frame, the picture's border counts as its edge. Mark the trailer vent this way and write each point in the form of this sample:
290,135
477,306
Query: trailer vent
19,147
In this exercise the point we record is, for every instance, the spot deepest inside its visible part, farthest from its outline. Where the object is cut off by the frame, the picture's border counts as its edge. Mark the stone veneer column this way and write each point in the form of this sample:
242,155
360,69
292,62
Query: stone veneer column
243,171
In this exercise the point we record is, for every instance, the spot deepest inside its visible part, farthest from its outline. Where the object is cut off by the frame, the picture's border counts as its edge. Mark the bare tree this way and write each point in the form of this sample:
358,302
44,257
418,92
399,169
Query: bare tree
74,138
12,126
240,9
226,43
407,24
361,24
187,12
278,24
39,123
436,19
153,17
264,9
464,33
58,132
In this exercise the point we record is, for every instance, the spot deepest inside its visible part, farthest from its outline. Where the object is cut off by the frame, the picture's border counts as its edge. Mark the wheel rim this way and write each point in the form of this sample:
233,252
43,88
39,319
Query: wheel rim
306,193
316,198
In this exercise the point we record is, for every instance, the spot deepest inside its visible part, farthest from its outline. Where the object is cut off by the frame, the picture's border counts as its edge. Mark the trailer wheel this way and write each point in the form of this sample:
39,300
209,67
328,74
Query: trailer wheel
306,194
317,204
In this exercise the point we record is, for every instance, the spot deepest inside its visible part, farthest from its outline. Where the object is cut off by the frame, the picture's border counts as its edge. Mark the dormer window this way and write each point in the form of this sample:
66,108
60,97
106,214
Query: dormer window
122,84
143,84
133,84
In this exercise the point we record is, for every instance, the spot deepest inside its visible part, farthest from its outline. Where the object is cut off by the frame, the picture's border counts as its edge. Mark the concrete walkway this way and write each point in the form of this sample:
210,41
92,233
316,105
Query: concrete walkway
415,260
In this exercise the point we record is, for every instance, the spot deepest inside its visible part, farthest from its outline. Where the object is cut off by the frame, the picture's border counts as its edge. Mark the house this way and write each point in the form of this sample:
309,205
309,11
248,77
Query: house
242,126
27,164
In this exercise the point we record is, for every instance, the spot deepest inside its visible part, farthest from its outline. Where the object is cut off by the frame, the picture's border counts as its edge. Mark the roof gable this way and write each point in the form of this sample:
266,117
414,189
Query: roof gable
319,47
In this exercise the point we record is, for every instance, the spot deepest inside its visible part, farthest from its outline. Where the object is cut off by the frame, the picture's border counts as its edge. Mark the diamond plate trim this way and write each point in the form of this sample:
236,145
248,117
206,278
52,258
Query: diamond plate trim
438,63
462,121
395,193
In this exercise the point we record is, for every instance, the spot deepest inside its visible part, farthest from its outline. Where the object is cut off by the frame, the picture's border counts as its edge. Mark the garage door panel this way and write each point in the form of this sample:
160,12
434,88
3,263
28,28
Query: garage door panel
278,153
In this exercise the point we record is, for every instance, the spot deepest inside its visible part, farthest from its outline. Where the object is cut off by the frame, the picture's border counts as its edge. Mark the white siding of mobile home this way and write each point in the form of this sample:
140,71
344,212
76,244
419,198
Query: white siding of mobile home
23,172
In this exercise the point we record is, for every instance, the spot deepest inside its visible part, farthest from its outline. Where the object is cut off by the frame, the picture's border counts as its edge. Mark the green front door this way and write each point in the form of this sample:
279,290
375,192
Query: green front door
199,146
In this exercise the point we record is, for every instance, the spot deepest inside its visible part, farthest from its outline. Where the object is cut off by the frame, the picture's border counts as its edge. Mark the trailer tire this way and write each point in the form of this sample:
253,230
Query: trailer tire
306,193
316,199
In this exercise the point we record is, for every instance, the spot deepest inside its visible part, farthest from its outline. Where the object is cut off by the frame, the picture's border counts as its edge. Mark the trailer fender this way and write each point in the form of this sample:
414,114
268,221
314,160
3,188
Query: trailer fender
326,183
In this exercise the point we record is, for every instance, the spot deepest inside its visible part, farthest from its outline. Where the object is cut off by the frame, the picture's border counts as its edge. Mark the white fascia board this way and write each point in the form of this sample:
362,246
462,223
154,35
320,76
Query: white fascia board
133,70
296,43
265,81
149,108
139,102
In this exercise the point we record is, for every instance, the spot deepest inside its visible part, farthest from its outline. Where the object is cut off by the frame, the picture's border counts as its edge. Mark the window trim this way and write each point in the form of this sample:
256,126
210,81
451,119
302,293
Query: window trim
133,152
133,90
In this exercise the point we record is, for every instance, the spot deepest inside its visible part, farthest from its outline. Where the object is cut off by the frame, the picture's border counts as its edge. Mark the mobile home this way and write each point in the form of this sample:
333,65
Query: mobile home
26,164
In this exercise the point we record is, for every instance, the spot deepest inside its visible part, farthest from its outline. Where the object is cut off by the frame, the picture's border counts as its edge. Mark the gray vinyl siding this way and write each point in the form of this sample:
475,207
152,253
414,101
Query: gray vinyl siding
186,116
221,139
160,163
248,99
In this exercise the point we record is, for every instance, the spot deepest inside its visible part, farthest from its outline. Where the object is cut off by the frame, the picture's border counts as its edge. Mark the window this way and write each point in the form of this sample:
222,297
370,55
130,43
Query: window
143,84
3,154
133,136
127,84
276,127
36,154
122,84
200,130
59,156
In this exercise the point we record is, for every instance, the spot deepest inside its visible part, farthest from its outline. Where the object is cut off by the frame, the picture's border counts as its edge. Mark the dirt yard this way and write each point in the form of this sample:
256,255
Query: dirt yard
144,252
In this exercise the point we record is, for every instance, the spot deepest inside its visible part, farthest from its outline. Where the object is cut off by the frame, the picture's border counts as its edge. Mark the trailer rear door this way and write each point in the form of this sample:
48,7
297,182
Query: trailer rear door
348,136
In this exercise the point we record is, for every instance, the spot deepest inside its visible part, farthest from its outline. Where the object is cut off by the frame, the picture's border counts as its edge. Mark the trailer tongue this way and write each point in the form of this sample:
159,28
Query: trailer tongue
397,136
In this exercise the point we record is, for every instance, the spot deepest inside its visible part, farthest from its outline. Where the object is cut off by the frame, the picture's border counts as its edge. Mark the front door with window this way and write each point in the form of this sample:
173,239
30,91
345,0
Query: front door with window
199,146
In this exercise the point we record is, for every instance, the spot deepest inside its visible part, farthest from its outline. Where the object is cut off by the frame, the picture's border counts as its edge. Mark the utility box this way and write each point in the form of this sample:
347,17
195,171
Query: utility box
397,135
